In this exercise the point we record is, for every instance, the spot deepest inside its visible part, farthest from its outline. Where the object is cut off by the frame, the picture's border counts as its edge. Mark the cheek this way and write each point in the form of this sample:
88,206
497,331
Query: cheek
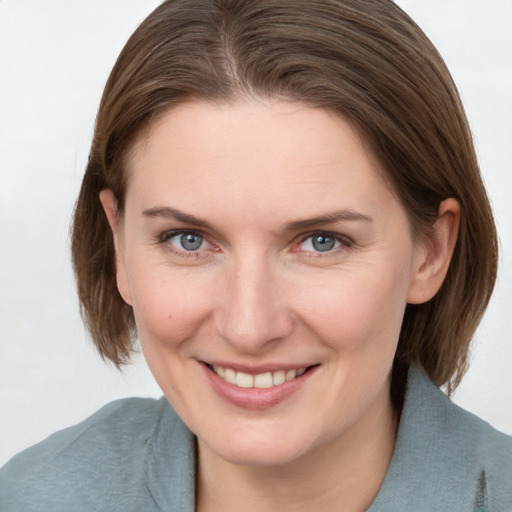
169,306
359,311
170,310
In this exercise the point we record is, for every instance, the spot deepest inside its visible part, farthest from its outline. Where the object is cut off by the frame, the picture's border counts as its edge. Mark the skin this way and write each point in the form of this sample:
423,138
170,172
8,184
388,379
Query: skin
259,292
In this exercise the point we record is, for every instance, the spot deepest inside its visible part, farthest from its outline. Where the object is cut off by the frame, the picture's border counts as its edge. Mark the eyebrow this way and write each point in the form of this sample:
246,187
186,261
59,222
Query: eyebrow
297,225
328,218
172,213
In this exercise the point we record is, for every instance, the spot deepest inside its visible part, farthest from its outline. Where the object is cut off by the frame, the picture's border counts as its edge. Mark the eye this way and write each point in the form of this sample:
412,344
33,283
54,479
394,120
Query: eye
321,242
186,241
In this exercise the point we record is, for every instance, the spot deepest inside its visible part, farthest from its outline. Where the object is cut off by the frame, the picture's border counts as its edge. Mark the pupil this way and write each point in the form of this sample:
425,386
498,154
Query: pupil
323,243
191,242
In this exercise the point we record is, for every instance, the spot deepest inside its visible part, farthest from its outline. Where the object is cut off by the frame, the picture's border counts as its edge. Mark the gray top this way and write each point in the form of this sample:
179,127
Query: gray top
137,455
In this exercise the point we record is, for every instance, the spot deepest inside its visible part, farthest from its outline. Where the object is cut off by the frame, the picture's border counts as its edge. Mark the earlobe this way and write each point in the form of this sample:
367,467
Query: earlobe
434,255
109,203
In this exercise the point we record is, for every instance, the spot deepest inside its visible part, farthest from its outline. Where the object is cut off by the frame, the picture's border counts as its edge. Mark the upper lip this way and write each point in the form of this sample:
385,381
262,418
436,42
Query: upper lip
257,369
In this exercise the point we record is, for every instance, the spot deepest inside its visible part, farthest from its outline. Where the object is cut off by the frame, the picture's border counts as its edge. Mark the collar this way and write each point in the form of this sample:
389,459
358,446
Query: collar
171,463
434,464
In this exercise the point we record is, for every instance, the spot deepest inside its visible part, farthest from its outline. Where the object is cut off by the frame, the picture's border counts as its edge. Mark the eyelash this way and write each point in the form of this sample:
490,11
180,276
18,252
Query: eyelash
344,241
164,238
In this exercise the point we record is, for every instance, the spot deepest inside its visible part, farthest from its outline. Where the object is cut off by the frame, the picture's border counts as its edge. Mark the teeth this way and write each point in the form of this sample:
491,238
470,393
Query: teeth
230,376
262,380
278,377
244,380
291,374
219,371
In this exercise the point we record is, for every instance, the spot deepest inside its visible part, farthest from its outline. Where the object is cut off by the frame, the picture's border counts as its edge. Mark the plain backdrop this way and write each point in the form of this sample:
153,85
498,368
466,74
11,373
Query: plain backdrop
55,57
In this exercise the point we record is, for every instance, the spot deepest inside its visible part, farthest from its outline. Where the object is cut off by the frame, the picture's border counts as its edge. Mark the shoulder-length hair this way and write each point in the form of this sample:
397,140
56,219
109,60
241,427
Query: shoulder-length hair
364,60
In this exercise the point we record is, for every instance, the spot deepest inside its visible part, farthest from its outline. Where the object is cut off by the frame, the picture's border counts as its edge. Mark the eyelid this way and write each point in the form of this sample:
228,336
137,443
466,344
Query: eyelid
346,242
164,237
330,234
167,235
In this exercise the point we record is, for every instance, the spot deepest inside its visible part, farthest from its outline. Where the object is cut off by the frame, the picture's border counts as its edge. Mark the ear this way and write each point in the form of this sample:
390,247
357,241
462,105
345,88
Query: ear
109,203
433,256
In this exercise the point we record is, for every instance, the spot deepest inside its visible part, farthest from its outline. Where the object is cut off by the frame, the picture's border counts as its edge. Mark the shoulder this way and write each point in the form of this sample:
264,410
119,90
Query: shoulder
474,454
471,451
445,458
487,451
100,458
455,424
489,448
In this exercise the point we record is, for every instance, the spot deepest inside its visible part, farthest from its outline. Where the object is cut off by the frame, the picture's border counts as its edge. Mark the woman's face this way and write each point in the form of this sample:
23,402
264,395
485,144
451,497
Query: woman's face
260,246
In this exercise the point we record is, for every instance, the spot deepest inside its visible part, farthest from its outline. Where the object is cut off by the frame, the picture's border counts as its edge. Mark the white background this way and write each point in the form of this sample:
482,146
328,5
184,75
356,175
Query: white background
54,59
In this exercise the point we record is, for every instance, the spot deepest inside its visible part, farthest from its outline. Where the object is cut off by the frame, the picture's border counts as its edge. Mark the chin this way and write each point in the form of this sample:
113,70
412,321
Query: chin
259,445
269,454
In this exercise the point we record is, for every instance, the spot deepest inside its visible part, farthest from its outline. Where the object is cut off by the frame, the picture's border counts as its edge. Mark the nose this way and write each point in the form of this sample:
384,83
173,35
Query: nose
253,313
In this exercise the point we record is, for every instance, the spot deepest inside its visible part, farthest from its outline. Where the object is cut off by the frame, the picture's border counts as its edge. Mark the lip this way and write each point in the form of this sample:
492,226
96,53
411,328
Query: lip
256,398
255,370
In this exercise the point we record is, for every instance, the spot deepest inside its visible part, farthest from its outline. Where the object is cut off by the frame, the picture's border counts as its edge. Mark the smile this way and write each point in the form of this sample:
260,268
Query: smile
257,388
261,380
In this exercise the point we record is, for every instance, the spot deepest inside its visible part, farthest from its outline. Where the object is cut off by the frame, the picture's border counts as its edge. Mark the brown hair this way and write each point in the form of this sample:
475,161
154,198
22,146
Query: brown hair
363,59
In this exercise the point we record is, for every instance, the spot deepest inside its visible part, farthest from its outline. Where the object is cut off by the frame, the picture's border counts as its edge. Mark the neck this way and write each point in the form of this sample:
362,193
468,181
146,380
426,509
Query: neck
345,472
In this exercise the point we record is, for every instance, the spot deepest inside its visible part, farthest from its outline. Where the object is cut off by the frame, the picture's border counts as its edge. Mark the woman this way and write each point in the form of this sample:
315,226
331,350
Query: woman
283,204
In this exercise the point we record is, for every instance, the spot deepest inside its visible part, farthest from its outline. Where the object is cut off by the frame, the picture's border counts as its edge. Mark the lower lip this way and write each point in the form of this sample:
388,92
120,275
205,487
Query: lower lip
256,398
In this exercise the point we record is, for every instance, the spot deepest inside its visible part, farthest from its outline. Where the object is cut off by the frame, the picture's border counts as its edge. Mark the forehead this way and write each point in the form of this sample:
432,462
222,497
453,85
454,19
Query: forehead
253,154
